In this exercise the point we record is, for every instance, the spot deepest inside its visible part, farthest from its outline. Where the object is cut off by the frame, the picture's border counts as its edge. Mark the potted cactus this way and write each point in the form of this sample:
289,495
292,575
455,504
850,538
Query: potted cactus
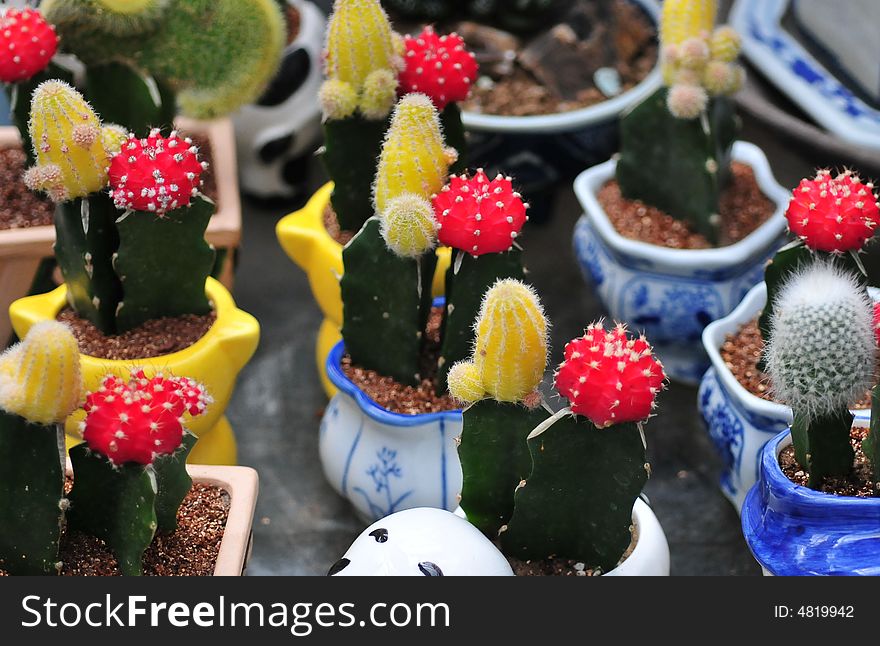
368,65
130,226
814,508
139,63
101,510
677,229
391,366
832,218
558,493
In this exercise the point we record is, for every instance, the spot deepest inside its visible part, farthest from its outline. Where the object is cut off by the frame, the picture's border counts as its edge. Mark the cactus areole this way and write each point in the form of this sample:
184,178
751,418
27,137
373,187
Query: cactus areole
27,44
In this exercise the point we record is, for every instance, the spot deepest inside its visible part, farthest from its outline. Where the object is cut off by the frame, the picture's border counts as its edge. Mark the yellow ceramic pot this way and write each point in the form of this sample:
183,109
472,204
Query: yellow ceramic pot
305,239
215,360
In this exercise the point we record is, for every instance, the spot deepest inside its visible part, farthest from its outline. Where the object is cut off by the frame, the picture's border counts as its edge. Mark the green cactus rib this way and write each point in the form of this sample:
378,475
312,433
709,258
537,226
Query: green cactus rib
163,263
577,502
871,444
115,504
172,484
216,54
19,96
127,97
827,450
678,165
351,154
453,135
31,491
86,258
464,295
384,307
494,459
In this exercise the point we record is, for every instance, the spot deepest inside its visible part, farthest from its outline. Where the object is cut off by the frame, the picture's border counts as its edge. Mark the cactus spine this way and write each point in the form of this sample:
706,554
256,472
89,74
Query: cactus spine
493,450
384,320
362,56
40,385
681,135
820,358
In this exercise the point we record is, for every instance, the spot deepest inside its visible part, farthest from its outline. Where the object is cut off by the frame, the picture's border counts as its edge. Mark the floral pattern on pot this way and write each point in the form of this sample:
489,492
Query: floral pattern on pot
793,530
738,422
673,294
384,462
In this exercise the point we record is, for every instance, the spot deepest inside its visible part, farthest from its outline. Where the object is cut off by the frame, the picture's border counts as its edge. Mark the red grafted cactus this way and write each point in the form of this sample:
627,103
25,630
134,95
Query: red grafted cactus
156,174
27,44
479,216
438,66
136,421
609,376
833,214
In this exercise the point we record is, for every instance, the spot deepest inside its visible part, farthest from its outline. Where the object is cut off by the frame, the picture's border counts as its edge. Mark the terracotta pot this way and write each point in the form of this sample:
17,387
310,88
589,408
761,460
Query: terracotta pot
22,250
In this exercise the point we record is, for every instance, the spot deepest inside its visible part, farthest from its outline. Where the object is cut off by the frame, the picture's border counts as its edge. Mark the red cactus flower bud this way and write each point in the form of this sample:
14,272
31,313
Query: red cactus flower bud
155,174
833,214
438,66
479,216
141,419
27,44
609,377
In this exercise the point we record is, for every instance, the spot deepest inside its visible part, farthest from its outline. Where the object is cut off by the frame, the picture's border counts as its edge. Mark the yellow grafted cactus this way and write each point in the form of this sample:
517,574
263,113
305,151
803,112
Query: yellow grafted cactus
408,226
70,144
684,19
40,377
362,58
510,351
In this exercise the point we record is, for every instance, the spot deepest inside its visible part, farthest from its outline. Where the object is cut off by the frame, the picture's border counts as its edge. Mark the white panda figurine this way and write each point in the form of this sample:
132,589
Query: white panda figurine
422,542
276,136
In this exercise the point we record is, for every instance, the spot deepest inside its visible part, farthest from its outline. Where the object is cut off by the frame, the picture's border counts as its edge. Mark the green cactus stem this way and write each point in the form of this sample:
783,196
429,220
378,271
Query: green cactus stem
871,444
351,148
386,300
494,459
126,505
827,450
31,495
678,165
467,280
129,98
577,502
453,135
86,240
148,246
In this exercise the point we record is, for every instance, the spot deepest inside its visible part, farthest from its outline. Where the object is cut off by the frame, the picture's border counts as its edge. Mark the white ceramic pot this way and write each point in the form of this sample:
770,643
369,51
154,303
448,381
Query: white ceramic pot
651,554
385,462
740,423
277,134
672,294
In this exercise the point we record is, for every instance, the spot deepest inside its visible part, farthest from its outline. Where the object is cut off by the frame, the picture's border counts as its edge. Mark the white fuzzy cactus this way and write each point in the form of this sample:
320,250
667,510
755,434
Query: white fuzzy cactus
821,353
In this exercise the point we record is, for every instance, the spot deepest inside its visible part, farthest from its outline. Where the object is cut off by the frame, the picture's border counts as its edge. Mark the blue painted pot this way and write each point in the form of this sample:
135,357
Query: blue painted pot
738,422
673,294
793,530
385,462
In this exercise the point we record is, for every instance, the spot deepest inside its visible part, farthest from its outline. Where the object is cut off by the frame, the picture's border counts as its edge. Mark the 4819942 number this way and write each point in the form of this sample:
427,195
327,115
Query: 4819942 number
814,612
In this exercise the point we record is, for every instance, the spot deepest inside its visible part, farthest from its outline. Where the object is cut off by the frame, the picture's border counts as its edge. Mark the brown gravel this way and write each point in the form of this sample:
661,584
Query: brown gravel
19,207
331,224
398,398
291,13
519,93
741,353
563,567
743,208
154,338
858,483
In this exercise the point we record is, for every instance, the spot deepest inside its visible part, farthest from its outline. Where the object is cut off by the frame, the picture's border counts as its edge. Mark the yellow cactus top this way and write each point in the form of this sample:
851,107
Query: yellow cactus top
684,19
40,377
362,59
70,144
510,352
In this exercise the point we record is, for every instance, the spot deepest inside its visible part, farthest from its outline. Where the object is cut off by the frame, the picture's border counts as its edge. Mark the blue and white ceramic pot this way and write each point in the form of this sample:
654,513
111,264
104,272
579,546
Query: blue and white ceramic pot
740,423
673,294
384,462
794,530
542,151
